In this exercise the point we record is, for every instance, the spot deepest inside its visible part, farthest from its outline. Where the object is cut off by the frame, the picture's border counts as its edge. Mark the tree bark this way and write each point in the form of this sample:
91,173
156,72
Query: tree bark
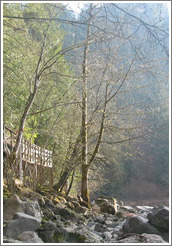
84,182
74,159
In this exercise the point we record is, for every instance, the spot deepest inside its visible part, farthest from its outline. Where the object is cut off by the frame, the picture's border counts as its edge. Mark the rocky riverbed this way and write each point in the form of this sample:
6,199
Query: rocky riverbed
49,217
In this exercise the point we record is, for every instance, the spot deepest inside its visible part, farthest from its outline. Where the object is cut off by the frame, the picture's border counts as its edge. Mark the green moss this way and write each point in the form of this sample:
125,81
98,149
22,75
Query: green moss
80,239
58,238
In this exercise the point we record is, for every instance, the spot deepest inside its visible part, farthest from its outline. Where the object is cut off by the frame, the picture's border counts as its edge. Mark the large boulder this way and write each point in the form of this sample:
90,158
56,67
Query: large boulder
143,209
29,237
22,222
81,209
107,207
143,238
11,241
128,209
82,234
159,217
99,201
137,224
108,204
15,204
51,232
69,214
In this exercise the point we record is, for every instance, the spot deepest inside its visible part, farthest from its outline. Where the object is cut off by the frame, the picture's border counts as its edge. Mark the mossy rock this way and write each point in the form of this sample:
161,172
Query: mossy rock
6,193
56,200
68,214
58,238
62,199
43,190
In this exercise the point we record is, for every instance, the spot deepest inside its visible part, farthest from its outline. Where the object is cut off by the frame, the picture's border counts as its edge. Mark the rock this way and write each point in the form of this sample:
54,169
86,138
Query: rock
99,218
22,222
139,225
106,207
143,209
108,223
49,203
107,235
95,208
75,203
33,209
91,226
56,200
15,204
81,209
82,234
143,238
29,237
62,199
128,208
120,203
51,232
100,227
159,217
11,240
68,214
48,214
70,205
99,201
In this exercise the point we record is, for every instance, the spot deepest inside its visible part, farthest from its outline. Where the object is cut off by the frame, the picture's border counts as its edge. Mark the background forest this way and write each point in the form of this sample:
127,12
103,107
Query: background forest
96,87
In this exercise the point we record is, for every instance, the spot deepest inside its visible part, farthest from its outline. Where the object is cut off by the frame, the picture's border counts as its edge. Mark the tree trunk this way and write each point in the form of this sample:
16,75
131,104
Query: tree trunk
84,184
23,120
71,183
85,189
74,159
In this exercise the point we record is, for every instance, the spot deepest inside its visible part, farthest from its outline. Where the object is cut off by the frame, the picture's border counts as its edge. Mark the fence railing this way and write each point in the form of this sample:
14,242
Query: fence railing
29,152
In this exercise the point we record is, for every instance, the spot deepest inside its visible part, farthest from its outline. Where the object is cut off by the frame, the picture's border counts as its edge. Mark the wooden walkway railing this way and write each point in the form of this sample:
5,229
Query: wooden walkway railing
30,152
33,160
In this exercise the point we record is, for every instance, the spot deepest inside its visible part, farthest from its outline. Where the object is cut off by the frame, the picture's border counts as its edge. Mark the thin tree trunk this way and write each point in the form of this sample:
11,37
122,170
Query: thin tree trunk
68,169
84,182
30,99
71,183
23,120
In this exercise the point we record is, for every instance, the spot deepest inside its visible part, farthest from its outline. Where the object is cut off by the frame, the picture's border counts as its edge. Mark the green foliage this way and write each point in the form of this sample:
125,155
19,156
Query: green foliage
29,131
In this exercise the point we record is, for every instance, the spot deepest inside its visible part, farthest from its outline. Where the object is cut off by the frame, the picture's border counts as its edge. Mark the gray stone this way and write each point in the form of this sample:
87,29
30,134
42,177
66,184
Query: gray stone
33,209
91,226
143,238
15,204
100,227
137,224
107,235
128,209
22,222
83,235
51,232
108,223
159,217
29,237
107,207
11,240
81,209
143,209
99,201
99,218
68,214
